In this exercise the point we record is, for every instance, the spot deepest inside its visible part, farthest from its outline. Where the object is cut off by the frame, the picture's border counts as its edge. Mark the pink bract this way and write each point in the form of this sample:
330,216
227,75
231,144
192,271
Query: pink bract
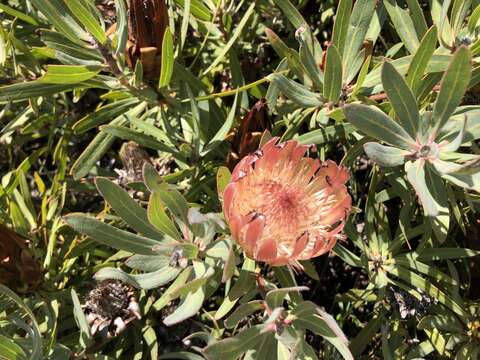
283,207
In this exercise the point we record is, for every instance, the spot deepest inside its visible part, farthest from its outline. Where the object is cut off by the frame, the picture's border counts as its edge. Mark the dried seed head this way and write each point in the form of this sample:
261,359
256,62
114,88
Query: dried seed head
109,299
110,306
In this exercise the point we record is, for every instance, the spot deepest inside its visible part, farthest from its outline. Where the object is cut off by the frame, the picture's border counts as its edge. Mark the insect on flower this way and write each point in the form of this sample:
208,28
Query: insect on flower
283,207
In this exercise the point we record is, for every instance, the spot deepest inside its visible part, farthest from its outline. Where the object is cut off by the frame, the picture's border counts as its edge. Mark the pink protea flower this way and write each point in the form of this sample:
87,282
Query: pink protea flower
283,207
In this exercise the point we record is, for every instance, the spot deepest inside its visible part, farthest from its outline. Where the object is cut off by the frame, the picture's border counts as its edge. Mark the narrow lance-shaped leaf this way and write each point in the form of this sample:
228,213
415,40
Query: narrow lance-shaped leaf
127,208
159,218
122,26
458,140
403,25
311,67
166,70
86,18
146,281
460,10
111,236
375,123
416,13
340,27
453,86
401,98
296,92
234,38
126,133
421,58
416,176
192,303
360,18
386,156
81,320
223,131
473,19
333,75
432,195
232,348
58,14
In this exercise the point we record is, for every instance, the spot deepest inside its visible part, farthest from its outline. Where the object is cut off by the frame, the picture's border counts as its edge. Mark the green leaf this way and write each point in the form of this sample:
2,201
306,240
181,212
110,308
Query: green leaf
233,347
421,59
340,27
346,255
111,236
167,297
366,334
437,63
61,18
447,321
412,262
86,18
81,320
193,285
166,70
192,303
242,312
68,52
385,156
233,38
31,89
296,92
9,350
146,281
245,283
147,263
416,14
403,25
127,208
473,19
460,10
21,309
311,67
122,26
326,134
401,97
223,131
276,297
452,88
104,114
92,153
291,12
333,78
198,9
376,124
18,14
125,133
175,202
432,195
310,316
417,281
159,218
360,19
151,341
291,56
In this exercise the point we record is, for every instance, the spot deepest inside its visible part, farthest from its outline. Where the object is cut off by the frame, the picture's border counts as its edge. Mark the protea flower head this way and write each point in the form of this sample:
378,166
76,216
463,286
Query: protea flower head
283,207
